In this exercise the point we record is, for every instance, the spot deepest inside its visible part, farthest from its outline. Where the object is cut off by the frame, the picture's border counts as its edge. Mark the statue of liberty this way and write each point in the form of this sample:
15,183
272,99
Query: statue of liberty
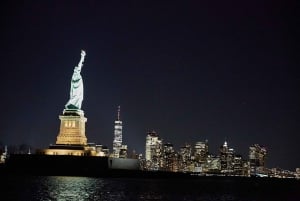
76,91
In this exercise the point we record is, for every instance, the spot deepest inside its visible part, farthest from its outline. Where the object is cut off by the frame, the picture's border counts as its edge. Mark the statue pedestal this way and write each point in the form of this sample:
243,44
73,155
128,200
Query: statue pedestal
72,128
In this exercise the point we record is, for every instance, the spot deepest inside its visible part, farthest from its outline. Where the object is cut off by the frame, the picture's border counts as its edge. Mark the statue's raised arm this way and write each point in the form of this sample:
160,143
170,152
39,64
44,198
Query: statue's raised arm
80,64
76,91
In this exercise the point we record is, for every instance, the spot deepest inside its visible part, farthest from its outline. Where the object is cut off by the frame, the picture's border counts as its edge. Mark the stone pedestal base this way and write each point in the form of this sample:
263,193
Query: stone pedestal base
72,128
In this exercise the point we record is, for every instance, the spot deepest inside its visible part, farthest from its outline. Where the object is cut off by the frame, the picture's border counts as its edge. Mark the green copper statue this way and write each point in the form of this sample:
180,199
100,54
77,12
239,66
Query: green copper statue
76,91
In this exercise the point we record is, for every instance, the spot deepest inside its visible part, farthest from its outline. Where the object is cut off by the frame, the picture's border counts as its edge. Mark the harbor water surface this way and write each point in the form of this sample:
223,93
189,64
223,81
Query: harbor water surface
117,189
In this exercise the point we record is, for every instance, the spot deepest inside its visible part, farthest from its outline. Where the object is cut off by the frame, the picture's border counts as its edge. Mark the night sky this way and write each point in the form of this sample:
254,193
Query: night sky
190,71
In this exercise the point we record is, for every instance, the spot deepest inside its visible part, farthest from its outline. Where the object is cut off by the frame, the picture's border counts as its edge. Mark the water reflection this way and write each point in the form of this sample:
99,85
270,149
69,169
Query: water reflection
69,188
78,188
108,189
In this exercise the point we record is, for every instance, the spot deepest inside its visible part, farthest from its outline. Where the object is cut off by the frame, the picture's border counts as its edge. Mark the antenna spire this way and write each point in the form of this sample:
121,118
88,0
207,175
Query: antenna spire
119,111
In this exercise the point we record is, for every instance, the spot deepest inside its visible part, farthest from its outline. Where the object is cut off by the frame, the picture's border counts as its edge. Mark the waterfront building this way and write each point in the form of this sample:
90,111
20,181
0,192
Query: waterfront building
123,151
170,162
226,159
117,142
212,165
201,152
153,151
246,168
105,150
279,173
238,165
185,158
257,158
102,150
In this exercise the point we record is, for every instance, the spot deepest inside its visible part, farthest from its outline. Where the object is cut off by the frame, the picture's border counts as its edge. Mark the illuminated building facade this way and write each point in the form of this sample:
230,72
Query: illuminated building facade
257,158
153,151
185,158
123,151
226,159
201,152
170,162
237,165
213,164
117,142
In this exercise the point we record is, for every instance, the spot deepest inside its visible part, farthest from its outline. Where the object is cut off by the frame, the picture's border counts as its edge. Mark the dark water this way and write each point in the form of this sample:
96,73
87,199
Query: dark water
115,189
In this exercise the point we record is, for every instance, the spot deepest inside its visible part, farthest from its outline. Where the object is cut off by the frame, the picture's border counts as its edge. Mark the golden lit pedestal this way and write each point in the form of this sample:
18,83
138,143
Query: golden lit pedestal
72,128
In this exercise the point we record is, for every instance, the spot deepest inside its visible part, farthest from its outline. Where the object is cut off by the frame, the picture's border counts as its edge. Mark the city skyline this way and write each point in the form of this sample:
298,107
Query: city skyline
196,159
190,71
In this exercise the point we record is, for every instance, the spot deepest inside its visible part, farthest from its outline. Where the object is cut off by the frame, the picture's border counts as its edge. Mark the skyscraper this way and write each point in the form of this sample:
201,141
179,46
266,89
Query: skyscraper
201,152
226,158
169,158
117,143
257,158
153,151
185,158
